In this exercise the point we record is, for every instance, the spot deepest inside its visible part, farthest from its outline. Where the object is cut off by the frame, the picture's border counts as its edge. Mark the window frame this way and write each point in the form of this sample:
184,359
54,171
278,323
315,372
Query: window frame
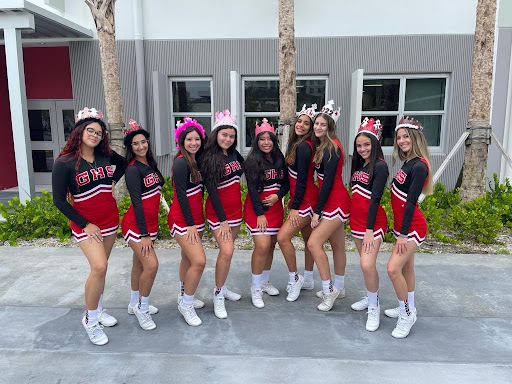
243,147
401,104
175,116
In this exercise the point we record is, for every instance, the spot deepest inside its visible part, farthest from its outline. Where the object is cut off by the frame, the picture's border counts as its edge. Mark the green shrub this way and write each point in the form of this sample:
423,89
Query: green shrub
38,218
500,196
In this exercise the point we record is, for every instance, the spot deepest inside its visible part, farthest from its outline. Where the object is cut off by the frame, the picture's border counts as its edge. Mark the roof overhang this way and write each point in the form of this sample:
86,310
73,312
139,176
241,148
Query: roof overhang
47,25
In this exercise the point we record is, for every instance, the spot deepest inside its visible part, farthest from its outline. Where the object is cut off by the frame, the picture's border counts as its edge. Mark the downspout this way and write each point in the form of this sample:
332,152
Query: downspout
139,62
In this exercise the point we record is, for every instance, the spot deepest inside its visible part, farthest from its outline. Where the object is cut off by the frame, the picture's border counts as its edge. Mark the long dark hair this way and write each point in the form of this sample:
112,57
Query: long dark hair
376,153
294,141
254,165
74,143
191,160
212,160
129,156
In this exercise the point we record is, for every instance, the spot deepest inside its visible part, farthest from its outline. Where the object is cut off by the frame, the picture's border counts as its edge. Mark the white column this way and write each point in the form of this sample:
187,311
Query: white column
19,113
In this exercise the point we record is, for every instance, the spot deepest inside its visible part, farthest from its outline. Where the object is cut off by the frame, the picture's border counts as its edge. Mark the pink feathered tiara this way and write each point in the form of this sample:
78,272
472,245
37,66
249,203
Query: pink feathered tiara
181,126
87,113
264,127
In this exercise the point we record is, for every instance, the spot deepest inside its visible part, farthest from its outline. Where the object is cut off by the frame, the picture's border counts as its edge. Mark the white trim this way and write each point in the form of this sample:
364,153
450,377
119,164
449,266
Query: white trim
401,105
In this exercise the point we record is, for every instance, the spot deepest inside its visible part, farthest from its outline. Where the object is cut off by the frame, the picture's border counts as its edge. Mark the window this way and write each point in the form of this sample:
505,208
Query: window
261,99
388,98
192,98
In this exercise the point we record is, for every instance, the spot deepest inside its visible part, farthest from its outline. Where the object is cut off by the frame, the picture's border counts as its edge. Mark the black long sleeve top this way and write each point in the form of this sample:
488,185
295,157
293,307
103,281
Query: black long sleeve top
181,177
327,168
301,166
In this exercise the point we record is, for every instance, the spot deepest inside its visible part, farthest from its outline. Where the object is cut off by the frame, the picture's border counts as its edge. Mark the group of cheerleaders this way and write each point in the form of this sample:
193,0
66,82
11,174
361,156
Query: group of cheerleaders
84,176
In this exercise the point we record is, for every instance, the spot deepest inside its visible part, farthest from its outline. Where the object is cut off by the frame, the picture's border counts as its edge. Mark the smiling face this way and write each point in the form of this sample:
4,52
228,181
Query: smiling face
364,146
226,138
320,127
403,140
302,125
93,134
140,146
265,143
192,142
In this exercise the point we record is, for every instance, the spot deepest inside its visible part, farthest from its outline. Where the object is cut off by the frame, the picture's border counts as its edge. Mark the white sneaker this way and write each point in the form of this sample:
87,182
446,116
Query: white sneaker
231,296
219,308
145,320
196,303
269,288
394,313
106,320
320,294
293,289
190,316
328,300
308,285
360,305
95,333
257,299
403,326
152,310
373,320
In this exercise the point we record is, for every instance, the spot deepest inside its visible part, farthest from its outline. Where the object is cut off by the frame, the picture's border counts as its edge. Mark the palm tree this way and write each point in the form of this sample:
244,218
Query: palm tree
475,159
287,71
103,12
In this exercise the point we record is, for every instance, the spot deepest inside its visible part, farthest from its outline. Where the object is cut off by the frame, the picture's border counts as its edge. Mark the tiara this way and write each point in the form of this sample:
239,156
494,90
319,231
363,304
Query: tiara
310,112
87,113
373,127
409,122
132,127
328,109
181,126
225,118
264,127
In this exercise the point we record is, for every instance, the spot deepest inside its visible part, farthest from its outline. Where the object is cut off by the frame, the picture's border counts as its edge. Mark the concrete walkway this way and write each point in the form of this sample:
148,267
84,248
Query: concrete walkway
463,333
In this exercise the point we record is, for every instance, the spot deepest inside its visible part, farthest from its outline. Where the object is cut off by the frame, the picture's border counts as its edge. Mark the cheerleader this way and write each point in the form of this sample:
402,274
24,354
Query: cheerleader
410,226
186,219
303,197
84,169
263,210
333,206
368,222
140,223
222,166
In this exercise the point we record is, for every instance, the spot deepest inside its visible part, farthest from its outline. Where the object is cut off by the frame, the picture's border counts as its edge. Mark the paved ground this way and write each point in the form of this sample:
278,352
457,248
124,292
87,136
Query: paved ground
463,333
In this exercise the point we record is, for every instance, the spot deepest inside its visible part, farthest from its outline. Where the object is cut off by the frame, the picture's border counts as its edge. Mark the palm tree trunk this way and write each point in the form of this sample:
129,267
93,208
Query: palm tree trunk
475,159
287,71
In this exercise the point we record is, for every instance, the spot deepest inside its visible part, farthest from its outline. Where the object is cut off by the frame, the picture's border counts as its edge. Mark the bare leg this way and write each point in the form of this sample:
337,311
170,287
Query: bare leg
396,264
368,265
284,238
339,256
149,268
319,236
260,253
196,260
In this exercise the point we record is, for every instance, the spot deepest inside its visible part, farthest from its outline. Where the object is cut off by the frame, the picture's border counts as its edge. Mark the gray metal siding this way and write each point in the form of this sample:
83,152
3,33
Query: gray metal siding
336,57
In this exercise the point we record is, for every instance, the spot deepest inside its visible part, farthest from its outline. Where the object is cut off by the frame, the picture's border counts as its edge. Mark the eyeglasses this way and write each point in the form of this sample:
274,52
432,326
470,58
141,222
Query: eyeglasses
93,132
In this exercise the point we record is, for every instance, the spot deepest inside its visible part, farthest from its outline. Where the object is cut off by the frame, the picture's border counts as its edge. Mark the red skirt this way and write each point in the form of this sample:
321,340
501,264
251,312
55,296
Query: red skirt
338,203
310,194
98,207
359,217
231,200
274,214
176,220
150,206
418,227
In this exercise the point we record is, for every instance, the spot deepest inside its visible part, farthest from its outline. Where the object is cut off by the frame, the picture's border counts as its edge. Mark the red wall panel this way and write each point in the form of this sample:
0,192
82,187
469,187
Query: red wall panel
47,76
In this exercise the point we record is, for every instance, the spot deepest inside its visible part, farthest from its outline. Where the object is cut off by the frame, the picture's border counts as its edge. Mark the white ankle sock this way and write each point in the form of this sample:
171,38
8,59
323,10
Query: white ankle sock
293,277
410,299
265,276
339,282
256,281
182,288
91,317
134,298
143,303
219,291
327,286
404,308
188,300
373,298
308,276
